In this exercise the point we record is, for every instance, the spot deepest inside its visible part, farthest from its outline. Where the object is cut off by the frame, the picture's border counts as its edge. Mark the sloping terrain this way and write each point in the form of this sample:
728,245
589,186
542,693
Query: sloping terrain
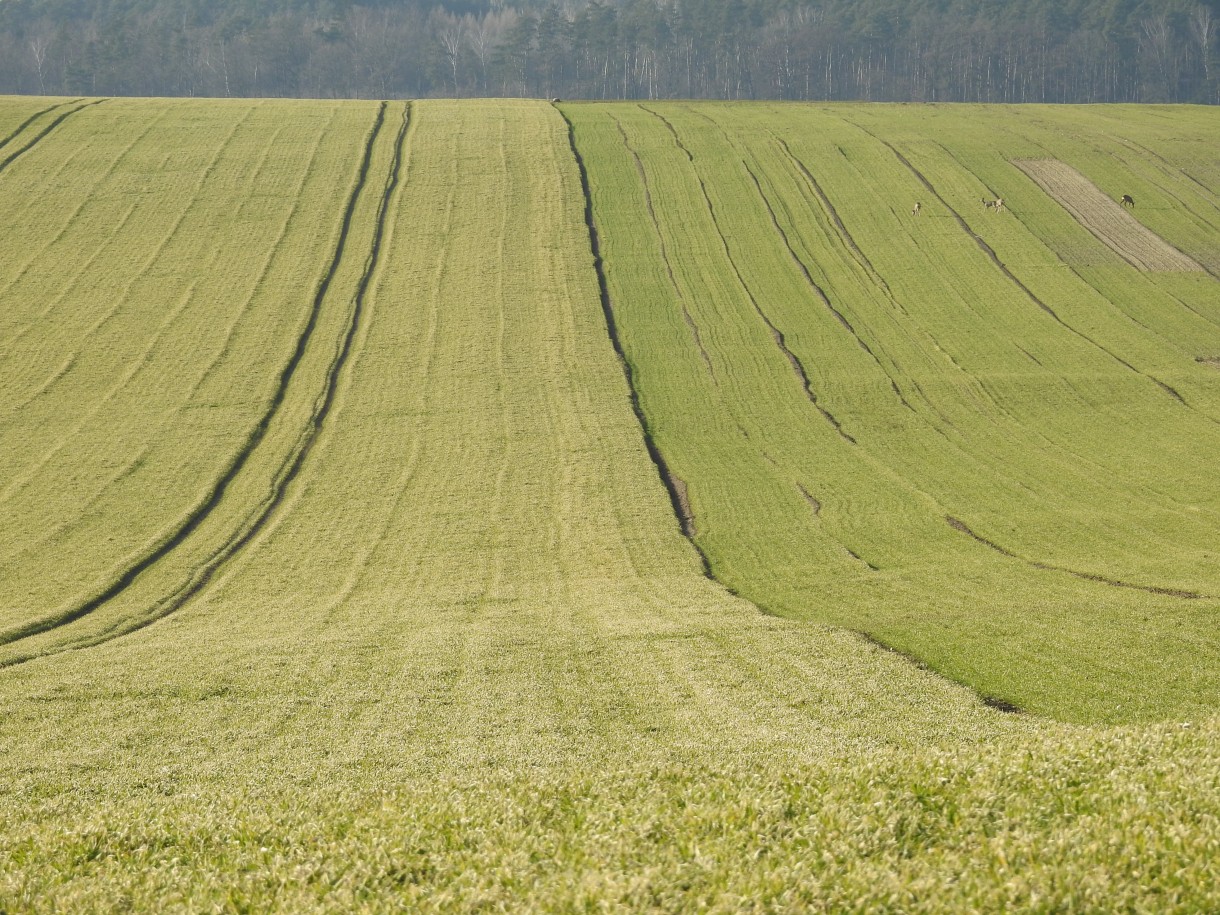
1104,217
340,573
921,426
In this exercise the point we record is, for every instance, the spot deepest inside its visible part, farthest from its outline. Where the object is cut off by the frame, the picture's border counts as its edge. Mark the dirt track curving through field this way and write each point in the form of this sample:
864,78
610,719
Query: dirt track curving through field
1105,218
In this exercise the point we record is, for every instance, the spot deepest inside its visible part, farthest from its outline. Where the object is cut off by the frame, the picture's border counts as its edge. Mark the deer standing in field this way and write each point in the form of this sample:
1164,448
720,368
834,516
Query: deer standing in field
915,210
1128,201
997,204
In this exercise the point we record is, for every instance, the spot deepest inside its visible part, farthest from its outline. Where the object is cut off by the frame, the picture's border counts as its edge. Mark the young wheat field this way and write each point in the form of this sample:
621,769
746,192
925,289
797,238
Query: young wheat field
479,505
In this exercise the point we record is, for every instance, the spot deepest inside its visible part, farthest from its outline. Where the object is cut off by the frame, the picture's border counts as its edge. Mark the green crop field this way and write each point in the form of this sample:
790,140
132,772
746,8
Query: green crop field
494,505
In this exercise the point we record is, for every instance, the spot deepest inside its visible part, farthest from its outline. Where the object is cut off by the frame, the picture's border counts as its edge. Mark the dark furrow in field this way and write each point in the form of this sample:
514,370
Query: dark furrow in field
5,163
1012,277
652,214
861,258
815,504
291,467
776,334
32,118
844,235
1000,705
203,510
818,291
958,525
673,486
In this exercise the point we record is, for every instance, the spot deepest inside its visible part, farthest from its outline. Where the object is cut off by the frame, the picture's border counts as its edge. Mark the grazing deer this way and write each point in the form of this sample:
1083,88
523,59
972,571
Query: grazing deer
915,210
1128,201
997,204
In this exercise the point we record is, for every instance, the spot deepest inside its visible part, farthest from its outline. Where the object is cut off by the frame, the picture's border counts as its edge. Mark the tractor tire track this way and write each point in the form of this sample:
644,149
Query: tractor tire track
960,526
982,386
673,282
777,335
90,333
32,118
293,463
844,234
228,336
85,195
1085,459
862,259
12,157
819,292
675,487
1012,277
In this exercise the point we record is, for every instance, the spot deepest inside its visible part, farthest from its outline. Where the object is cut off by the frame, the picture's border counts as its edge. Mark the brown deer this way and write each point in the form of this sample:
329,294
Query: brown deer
1128,201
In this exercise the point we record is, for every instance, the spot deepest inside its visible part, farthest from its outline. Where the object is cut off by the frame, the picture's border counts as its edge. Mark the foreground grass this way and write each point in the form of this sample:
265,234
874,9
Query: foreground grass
1126,821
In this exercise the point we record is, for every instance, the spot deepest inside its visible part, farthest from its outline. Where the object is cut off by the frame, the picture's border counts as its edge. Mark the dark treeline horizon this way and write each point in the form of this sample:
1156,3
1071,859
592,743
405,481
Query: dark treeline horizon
1012,51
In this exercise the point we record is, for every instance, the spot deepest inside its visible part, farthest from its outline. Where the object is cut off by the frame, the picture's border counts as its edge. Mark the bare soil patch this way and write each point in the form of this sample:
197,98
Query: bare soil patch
1105,218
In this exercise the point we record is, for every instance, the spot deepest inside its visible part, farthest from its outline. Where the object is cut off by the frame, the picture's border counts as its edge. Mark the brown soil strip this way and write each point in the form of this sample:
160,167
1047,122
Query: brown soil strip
202,511
1105,218
776,334
1087,576
678,499
673,282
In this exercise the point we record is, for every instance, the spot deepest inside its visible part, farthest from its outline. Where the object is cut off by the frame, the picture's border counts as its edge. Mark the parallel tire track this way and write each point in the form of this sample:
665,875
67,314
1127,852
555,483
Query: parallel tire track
675,487
209,504
777,335
13,156
819,293
673,282
31,119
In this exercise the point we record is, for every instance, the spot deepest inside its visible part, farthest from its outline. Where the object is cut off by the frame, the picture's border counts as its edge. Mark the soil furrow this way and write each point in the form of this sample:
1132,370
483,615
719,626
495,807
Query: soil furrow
776,334
686,315
202,511
818,291
290,469
6,162
1002,705
958,525
31,119
677,493
227,336
840,227
1012,277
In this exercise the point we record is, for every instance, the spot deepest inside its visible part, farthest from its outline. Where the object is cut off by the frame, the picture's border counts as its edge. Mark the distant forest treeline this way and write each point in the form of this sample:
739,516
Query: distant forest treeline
901,50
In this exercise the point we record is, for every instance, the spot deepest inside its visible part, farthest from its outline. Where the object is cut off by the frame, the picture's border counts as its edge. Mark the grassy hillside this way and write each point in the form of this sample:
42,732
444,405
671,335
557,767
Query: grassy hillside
338,574
978,436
